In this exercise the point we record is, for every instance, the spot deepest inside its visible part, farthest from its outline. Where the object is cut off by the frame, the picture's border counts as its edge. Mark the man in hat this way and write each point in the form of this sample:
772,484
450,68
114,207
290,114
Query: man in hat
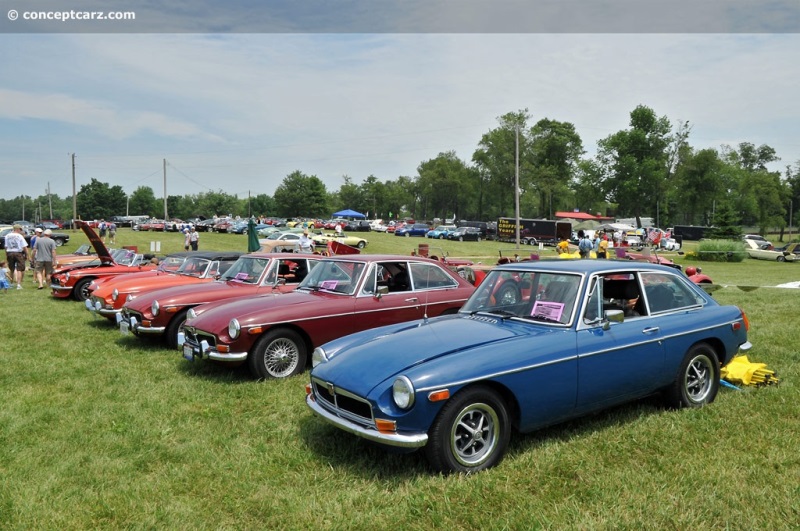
44,256
16,253
306,243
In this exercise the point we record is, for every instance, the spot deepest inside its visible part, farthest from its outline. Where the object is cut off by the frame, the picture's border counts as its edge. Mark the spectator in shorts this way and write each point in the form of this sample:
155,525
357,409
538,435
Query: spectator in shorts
112,232
193,238
16,254
44,256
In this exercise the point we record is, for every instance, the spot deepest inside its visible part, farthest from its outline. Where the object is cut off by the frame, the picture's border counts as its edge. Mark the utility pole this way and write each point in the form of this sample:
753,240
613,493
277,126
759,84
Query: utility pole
74,194
516,182
165,194
49,200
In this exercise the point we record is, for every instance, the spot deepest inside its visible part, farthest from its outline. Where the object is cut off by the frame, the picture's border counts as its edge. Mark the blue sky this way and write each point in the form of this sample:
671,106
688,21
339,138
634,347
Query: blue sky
239,111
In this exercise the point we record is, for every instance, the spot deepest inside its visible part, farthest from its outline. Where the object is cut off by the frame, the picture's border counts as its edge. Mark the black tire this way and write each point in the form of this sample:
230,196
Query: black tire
81,290
361,245
478,239
441,236
781,258
461,238
279,353
508,294
59,242
407,235
470,433
697,381
174,327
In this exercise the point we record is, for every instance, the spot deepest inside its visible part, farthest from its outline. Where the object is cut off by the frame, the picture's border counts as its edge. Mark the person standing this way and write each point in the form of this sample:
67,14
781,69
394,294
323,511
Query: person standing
112,232
306,243
585,245
602,249
44,256
16,254
194,237
4,280
102,226
186,244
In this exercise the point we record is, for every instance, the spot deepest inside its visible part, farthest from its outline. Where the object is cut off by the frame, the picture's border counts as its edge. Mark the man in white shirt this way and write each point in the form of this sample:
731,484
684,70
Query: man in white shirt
16,253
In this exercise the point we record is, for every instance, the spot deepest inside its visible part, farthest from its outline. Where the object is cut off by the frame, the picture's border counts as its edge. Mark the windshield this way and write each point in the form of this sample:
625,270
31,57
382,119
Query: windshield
334,276
194,267
247,270
531,295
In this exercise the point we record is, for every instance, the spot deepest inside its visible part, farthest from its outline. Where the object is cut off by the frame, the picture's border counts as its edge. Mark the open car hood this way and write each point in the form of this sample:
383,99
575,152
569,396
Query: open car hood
99,247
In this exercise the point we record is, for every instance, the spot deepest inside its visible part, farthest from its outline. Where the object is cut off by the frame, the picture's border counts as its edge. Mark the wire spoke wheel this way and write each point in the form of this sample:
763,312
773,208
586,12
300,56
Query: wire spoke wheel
278,354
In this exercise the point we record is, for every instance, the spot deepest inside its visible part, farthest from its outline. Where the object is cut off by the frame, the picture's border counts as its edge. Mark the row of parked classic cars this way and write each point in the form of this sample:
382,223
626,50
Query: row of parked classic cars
406,353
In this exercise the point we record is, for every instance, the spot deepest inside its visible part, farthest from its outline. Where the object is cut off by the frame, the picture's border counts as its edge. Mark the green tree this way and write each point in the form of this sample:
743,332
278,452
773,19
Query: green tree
98,200
301,195
349,196
496,158
142,202
636,163
213,204
444,183
556,149
699,186
262,205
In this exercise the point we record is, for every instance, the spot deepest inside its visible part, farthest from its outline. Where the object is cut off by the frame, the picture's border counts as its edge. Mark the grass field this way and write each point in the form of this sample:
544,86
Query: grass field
98,430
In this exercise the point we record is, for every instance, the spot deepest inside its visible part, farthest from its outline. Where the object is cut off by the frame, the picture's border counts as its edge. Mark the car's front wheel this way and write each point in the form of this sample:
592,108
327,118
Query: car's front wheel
470,433
278,354
59,242
81,290
697,381
361,245
175,327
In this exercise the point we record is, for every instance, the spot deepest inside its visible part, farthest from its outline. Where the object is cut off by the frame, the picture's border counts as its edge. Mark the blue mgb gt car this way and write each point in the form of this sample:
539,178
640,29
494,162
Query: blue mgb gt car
537,343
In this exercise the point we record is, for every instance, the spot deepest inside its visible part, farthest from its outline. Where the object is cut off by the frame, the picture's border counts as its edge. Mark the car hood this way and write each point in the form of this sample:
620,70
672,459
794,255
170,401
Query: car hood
380,354
264,309
194,293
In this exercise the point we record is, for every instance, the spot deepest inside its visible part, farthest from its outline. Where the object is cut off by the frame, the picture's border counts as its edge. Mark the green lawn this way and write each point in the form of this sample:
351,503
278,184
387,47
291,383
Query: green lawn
103,431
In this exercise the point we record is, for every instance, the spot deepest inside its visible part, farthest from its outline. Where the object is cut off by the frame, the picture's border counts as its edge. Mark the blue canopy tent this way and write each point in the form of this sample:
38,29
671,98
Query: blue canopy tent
348,214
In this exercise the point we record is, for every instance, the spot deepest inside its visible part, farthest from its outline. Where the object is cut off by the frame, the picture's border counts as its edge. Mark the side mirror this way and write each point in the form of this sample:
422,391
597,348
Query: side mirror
381,291
612,316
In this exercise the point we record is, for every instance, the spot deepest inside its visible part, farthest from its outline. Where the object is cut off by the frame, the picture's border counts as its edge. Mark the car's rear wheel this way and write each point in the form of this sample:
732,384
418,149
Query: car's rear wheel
278,354
461,238
697,381
781,258
59,242
441,236
175,327
470,433
478,239
361,245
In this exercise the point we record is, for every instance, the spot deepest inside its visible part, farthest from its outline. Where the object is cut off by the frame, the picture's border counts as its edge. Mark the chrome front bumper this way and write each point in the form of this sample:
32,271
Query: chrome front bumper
415,440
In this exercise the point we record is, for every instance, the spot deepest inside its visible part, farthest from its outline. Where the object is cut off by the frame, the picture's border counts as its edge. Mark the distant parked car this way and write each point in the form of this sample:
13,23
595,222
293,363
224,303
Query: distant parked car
537,343
413,229
440,232
761,241
27,231
756,250
465,234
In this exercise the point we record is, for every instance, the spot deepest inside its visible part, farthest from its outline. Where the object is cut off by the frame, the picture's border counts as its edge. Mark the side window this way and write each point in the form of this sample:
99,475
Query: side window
371,279
429,276
667,292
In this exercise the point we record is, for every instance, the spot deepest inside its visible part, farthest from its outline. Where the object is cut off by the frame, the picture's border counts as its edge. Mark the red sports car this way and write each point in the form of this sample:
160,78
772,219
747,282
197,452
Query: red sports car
162,312
197,267
341,295
73,281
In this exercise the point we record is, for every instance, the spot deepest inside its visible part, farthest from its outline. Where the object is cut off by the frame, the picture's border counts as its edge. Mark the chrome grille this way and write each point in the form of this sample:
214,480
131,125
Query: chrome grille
343,403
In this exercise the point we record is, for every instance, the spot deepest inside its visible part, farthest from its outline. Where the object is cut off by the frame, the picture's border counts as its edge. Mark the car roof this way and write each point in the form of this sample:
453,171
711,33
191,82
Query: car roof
210,255
584,266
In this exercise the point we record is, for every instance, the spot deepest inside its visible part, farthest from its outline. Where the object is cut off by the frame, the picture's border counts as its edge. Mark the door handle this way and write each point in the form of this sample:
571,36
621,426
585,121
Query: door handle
412,299
650,330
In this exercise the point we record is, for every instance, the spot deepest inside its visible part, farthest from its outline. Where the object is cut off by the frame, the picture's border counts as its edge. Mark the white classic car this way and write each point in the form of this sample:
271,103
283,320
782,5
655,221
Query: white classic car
755,251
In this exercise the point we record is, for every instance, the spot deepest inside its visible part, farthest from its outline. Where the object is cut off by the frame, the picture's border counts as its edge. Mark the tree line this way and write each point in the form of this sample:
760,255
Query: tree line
648,169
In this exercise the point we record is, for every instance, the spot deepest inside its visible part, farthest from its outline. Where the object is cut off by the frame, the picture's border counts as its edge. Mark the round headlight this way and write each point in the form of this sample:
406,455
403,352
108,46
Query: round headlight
234,328
403,392
318,356
66,277
114,295
154,308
